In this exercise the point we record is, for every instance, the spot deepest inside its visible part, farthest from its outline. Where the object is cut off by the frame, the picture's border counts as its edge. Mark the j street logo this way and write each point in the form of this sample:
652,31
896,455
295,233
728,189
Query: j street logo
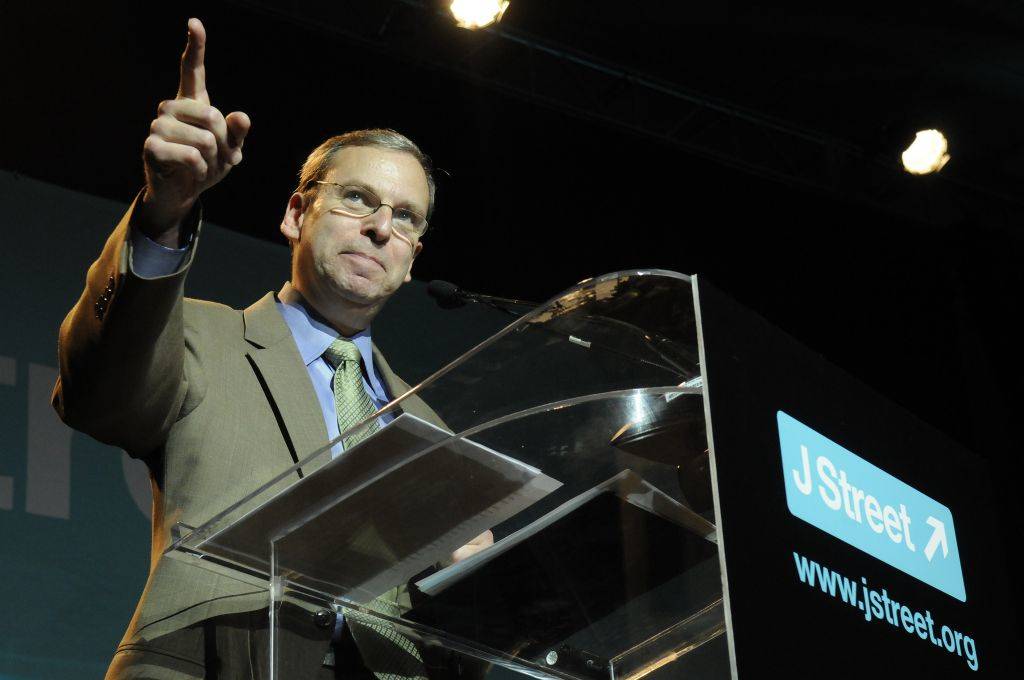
844,495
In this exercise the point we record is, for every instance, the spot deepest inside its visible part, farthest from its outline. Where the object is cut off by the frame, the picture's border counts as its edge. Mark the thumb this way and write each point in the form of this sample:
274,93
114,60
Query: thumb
238,127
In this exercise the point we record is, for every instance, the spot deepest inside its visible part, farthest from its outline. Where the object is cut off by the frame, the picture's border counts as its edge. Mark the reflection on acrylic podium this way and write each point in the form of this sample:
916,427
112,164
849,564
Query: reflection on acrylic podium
577,435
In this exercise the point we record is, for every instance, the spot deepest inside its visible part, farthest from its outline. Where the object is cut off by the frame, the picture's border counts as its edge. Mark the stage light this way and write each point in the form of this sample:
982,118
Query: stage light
478,13
926,154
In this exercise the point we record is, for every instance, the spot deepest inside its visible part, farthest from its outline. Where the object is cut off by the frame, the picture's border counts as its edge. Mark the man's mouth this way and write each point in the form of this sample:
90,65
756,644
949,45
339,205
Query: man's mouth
364,256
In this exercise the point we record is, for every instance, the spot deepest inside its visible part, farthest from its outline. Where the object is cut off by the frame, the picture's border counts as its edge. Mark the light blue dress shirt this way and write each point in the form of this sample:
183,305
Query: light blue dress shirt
312,337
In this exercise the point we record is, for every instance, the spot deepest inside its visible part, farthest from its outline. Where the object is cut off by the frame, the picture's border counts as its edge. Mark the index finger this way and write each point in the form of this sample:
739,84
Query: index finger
193,70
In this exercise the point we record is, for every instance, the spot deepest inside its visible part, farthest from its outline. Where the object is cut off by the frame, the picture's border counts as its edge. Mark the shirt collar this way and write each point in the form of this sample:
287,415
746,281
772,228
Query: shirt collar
313,336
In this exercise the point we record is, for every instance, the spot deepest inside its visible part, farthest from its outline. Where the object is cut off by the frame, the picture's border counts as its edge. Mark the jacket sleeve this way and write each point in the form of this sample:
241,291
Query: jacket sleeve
121,350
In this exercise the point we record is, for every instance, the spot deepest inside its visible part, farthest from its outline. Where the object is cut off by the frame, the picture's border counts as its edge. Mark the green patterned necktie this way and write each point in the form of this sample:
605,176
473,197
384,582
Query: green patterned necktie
352,403
385,651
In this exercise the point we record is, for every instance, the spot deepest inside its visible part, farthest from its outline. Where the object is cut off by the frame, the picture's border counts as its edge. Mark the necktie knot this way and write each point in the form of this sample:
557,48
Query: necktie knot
340,351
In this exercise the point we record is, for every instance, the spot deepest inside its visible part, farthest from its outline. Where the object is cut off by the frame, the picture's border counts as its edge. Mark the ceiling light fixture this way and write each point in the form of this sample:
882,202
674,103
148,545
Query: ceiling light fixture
478,13
926,154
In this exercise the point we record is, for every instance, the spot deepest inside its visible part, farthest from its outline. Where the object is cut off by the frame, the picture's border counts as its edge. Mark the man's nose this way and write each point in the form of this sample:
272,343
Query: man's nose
378,226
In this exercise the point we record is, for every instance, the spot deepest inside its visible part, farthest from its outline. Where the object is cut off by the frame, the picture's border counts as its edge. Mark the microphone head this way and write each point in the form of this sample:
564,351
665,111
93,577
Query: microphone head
447,294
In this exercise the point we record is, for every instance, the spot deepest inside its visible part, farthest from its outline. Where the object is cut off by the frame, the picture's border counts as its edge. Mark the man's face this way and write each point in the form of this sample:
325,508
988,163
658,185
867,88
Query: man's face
361,260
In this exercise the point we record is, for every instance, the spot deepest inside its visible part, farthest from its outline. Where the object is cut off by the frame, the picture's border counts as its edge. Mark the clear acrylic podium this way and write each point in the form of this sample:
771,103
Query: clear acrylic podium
577,435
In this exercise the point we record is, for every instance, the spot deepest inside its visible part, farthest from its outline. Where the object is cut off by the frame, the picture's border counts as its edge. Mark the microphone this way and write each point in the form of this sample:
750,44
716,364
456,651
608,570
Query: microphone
446,293
449,296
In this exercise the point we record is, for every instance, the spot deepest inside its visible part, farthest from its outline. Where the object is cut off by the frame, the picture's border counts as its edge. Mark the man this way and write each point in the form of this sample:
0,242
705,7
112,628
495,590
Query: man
218,401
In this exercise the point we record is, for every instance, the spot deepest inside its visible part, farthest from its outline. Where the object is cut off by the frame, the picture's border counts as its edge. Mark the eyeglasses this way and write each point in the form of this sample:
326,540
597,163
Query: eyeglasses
359,201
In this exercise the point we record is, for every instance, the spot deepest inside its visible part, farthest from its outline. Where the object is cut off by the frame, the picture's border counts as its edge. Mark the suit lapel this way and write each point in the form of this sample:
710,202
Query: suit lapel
397,387
279,367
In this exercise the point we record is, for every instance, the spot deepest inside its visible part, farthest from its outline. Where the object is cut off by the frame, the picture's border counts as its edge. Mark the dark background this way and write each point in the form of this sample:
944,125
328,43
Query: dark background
757,145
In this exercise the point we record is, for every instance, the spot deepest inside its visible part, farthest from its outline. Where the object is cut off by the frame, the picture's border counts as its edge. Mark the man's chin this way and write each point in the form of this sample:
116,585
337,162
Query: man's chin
361,293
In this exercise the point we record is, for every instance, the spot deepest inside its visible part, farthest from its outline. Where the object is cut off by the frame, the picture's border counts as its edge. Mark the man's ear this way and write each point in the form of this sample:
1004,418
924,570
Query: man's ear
294,213
415,252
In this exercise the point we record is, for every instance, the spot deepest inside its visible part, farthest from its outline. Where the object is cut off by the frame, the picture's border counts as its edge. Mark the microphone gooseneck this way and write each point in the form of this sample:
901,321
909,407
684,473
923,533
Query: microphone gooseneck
450,296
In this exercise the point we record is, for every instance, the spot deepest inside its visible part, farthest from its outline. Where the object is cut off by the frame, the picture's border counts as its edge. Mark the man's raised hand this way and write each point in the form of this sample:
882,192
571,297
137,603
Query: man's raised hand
191,146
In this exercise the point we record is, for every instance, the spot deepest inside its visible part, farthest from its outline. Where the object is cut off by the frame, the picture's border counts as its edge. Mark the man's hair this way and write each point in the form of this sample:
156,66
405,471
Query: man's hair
320,161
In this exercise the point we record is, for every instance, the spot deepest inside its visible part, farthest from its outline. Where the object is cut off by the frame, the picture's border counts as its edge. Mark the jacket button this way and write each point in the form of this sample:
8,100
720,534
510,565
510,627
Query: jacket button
323,618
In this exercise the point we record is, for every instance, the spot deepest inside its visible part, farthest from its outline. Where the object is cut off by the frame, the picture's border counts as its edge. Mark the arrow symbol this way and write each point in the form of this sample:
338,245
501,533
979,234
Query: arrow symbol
938,536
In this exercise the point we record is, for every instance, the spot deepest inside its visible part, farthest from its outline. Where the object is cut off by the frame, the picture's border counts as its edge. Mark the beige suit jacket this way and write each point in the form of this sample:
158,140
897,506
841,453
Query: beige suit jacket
216,401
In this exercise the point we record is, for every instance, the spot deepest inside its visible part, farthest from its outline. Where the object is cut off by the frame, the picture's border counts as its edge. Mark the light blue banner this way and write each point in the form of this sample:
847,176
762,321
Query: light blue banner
844,495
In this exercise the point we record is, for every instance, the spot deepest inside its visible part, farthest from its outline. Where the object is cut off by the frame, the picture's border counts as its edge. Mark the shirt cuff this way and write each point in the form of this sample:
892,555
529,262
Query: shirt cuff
151,260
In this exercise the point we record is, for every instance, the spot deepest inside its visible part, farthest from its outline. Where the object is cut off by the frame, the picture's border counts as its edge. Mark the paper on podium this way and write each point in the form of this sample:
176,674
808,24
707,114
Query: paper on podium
383,511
